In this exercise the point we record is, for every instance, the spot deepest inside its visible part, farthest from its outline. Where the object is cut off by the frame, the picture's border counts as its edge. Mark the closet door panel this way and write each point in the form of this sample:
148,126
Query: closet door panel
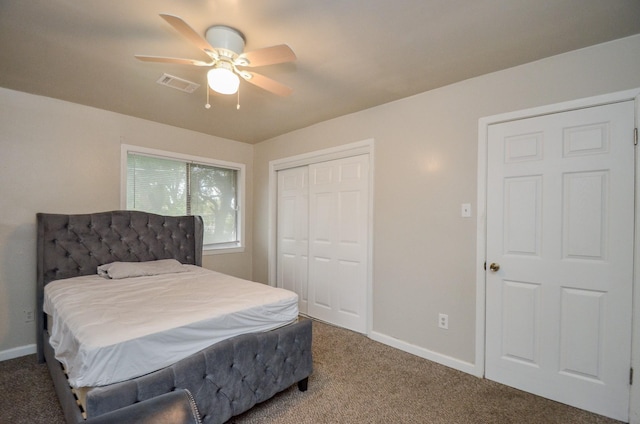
338,241
292,233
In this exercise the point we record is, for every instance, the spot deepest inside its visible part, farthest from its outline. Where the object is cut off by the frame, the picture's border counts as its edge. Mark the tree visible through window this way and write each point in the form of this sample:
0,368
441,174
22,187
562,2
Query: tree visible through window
177,187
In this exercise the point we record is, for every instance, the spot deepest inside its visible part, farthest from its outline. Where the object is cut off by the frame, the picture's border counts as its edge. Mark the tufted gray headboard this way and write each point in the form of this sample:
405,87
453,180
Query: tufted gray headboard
73,245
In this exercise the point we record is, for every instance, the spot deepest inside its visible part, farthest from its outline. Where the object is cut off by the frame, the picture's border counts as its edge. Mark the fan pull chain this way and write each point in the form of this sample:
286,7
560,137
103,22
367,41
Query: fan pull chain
238,105
207,105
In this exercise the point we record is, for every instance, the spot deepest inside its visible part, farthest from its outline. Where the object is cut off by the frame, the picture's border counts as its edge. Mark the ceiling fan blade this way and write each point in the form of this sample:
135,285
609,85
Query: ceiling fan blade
172,60
267,56
189,33
266,83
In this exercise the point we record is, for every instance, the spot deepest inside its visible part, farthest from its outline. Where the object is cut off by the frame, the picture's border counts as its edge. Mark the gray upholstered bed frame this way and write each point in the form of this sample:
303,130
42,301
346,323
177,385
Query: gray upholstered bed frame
225,379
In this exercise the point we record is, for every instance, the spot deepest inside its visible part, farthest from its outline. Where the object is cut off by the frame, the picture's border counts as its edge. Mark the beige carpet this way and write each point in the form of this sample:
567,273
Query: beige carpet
355,380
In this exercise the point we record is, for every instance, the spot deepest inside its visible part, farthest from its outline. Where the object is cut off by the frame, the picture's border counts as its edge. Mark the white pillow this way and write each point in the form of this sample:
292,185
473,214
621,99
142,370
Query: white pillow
118,270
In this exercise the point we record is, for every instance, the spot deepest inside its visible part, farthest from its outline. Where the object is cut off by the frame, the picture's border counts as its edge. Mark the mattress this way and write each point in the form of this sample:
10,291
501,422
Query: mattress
105,331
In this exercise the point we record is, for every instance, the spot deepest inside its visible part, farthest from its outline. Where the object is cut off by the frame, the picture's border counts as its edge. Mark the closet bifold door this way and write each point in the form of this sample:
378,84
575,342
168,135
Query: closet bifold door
323,239
293,232
338,241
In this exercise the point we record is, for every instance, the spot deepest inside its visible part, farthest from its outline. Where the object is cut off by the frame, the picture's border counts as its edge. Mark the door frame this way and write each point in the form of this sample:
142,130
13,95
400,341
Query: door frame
481,228
339,152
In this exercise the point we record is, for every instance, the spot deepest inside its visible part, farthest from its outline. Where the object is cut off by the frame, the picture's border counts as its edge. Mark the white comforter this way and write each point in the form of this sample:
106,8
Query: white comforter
105,331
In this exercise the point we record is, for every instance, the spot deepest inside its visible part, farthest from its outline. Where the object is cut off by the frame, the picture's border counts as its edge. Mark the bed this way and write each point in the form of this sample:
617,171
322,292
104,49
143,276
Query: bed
225,379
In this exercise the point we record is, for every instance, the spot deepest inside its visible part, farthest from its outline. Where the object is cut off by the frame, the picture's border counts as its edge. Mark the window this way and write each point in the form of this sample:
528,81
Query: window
170,184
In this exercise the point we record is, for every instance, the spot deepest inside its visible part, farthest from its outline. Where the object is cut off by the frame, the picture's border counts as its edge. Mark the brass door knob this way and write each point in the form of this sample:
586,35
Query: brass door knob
494,267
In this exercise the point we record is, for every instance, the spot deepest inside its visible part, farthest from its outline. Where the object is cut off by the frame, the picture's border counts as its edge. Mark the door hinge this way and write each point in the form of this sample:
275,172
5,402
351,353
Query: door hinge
630,376
635,136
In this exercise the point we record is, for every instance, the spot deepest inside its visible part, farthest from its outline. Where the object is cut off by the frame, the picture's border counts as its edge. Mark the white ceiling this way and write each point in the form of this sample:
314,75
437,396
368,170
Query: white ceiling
352,54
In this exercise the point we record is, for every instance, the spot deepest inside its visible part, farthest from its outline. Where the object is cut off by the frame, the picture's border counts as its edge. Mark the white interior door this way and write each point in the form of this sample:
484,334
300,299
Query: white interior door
293,233
560,225
338,241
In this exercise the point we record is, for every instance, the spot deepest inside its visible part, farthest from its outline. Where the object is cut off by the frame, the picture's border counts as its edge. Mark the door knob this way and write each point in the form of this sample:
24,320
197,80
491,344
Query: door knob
494,267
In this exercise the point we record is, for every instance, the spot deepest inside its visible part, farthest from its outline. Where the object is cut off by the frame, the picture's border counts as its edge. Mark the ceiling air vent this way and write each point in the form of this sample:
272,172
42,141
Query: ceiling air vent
178,83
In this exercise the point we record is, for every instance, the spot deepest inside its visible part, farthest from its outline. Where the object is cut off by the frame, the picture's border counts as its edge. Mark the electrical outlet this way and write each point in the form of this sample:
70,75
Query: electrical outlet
443,321
29,315
465,210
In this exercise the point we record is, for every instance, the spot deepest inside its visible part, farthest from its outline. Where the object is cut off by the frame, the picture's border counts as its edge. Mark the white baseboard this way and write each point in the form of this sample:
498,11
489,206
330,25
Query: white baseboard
17,352
439,358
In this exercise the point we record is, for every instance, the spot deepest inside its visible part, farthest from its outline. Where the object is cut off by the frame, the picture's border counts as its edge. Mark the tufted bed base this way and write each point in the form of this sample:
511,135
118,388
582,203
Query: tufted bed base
225,379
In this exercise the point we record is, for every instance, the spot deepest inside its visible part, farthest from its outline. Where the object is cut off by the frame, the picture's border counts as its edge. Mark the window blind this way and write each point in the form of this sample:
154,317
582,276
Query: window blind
174,187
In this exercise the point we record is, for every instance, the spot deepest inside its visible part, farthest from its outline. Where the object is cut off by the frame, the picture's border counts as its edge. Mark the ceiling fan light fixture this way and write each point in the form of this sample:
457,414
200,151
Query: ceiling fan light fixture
222,79
225,47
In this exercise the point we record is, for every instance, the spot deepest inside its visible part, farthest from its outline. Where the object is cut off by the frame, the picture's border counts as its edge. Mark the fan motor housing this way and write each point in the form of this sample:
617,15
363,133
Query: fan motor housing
227,38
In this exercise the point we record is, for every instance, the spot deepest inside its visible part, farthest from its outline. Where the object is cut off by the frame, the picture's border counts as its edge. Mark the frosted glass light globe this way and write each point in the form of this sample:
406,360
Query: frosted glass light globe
223,80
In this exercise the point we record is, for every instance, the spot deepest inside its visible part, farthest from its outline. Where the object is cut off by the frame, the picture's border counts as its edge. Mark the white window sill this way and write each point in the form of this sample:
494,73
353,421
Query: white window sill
222,250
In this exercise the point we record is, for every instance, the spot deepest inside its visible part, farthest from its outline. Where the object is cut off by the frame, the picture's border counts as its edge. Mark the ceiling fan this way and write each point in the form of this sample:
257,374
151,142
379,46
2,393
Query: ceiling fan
225,46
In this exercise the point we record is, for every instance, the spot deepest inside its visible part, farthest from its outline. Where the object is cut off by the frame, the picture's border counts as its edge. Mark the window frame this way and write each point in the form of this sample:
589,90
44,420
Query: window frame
221,248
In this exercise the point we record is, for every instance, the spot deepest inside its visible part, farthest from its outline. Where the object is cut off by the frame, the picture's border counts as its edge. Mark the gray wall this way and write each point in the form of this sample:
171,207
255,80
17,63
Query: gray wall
61,157
425,167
